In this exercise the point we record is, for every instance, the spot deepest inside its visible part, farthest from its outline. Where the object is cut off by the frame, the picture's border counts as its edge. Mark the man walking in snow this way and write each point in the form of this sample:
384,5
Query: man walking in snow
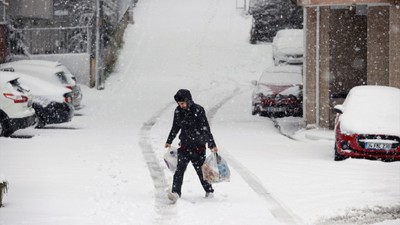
190,119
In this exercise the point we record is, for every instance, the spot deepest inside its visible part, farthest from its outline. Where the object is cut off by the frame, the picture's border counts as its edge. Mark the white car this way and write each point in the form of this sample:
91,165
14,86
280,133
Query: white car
288,47
16,110
49,71
52,103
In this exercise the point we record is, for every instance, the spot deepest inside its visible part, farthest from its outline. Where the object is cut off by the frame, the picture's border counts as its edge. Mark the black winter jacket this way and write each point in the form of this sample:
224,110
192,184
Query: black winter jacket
192,123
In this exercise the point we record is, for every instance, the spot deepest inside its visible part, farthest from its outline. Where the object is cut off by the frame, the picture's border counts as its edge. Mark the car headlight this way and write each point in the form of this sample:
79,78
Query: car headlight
345,145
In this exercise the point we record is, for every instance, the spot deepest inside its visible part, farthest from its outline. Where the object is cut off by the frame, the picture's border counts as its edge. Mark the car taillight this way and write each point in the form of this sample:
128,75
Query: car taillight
68,99
268,101
16,98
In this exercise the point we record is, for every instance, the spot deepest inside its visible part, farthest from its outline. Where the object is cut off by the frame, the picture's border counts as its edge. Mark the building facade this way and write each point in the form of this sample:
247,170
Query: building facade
348,43
70,32
4,51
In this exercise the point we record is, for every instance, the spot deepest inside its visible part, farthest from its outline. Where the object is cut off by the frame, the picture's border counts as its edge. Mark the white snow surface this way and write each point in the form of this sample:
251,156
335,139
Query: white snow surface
282,75
106,166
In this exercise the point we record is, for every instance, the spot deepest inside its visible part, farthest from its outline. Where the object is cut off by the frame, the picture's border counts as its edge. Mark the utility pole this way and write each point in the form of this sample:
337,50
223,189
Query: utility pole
99,62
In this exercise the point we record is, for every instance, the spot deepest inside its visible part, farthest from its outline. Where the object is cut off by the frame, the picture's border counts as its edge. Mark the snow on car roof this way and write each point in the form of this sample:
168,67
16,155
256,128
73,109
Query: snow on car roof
38,62
44,63
290,39
7,77
39,88
282,75
372,110
41,71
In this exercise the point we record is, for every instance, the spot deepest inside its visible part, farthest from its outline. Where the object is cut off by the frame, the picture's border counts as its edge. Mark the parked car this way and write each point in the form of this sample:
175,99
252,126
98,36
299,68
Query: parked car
278,92
288,47
16,110
367,124
52,103
49,71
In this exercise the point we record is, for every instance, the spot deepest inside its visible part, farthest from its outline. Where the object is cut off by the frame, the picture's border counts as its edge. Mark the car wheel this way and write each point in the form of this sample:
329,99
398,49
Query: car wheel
265,114
40,123
1,127
276,62
338,157
255,110
4,130
40,116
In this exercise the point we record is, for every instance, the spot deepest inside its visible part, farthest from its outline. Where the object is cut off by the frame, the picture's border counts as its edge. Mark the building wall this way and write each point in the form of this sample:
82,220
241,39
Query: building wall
31,8
341,2
354,48
309,97
3,43
324,68
348,56
378,45
348,50
394,46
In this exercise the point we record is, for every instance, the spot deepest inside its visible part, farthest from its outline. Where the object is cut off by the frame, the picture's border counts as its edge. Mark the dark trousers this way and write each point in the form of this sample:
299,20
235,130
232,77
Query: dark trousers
197,158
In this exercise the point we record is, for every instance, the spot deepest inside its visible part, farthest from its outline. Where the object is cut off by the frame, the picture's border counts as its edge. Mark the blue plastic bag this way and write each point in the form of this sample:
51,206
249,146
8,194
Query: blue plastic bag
215,169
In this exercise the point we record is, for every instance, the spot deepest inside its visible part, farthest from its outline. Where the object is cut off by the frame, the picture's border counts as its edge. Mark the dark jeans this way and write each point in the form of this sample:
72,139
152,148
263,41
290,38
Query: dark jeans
197,158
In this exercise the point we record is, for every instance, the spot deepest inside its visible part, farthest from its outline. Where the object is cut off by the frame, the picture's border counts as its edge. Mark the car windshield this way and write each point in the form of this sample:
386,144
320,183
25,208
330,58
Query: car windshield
17,86
65,69
62,78
69,77
65,78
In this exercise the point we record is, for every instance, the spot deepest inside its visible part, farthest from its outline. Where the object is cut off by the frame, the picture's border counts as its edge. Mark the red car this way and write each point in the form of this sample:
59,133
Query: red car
367,125
278,92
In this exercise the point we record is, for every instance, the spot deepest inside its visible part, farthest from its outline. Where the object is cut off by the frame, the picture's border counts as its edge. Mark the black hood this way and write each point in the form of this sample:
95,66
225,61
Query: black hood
183,95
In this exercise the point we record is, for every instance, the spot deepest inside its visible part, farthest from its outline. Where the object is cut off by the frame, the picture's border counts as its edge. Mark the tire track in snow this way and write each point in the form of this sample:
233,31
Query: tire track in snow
164,214
277,209
156,171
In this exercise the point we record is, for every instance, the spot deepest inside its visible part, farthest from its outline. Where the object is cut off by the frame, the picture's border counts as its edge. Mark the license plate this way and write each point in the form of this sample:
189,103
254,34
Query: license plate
378,146
273,109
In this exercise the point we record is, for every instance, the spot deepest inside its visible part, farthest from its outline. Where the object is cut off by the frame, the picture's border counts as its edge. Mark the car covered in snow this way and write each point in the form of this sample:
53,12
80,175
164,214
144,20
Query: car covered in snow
52,103
16,110
53,72
278,92
367,124
288,47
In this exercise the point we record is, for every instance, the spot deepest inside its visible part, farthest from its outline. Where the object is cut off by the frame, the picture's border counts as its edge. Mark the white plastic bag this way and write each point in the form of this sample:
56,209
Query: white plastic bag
171,159
215,169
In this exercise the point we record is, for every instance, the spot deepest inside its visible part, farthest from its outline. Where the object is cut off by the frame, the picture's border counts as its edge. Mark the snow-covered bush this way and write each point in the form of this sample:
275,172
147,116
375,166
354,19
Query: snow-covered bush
269,16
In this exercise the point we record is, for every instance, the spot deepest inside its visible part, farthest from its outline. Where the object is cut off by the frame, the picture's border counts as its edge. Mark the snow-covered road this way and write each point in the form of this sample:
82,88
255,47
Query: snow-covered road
106,167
